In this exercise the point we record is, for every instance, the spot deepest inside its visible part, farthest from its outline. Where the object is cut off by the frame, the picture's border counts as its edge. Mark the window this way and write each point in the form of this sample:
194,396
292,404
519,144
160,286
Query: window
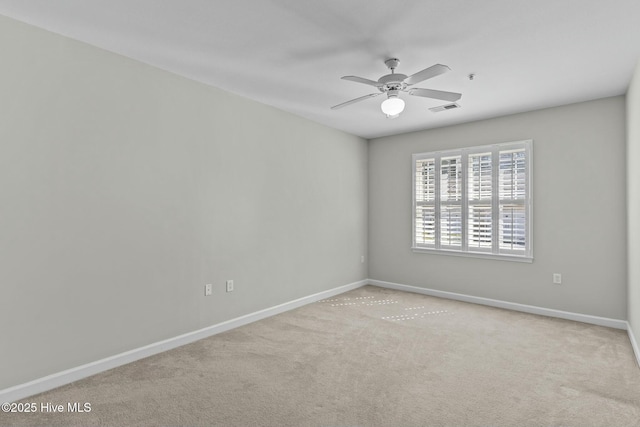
474,201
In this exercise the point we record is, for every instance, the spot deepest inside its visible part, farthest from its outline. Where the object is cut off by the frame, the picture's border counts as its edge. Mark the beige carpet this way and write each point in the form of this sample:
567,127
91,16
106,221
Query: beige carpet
372,357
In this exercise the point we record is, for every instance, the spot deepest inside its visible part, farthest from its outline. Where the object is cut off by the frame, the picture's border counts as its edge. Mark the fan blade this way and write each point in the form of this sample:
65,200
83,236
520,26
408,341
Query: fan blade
436,94
427,73
361,80
353,101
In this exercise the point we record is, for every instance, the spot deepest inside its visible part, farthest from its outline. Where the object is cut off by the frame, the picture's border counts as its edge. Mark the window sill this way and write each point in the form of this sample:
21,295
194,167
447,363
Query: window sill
514,258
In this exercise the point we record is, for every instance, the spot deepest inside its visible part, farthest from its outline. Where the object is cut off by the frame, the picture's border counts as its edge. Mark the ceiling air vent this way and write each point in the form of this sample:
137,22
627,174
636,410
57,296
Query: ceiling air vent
444,107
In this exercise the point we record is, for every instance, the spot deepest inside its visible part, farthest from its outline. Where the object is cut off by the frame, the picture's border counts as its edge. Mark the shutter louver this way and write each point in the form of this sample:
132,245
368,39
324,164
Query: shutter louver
425,225
480,177
480,227
512,227
426,180
451,225
450,179
512,175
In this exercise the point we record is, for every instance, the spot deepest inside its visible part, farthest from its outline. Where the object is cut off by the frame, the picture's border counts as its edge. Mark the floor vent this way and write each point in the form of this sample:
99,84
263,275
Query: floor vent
444,107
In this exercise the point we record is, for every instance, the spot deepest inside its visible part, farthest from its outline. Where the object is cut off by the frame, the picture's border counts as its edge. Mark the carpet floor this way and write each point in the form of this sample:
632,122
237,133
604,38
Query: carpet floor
371,357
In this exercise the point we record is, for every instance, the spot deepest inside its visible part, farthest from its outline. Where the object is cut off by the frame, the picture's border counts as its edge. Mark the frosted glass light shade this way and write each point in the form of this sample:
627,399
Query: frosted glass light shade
392,106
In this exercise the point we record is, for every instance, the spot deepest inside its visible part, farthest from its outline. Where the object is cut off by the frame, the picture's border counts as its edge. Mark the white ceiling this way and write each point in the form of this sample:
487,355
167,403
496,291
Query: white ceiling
291,53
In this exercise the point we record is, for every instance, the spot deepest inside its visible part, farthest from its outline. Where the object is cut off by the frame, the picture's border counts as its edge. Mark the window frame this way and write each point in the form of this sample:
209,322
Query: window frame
495,252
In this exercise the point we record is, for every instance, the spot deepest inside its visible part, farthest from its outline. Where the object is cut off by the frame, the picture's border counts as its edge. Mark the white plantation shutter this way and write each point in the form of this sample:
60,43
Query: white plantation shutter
451,201
475,201
479,194
512,192
425,220
480,228
450,226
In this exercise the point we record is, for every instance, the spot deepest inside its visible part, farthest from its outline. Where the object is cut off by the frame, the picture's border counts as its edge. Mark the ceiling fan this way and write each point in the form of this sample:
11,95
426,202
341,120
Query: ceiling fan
394,83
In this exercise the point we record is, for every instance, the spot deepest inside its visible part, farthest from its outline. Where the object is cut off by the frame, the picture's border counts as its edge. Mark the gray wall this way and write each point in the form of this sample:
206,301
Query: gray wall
124,189
579,221
633,202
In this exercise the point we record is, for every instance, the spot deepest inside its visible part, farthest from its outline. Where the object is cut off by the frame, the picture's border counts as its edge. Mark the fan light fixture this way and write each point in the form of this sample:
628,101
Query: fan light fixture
392,106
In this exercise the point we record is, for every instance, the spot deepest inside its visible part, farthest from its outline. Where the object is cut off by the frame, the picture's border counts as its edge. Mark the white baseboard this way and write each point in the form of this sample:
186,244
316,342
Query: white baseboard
634,344
586,318
49,382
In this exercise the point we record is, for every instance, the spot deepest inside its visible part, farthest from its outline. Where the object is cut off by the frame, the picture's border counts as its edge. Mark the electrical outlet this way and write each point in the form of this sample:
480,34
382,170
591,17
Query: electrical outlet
362,259
557,278
207,290
229,285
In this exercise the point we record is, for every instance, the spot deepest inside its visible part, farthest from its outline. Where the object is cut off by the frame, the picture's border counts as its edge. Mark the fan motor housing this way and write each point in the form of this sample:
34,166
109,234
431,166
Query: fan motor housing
392,81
